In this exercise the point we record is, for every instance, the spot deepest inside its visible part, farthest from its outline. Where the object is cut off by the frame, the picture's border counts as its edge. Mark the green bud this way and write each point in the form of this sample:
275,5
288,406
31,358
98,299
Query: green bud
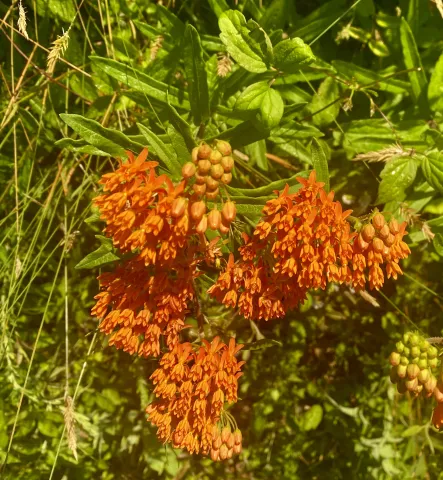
433,362
414,339
412,371
431,384
424,345
415,351
424,375
422,363
394,359
406,337
415,360
419,389
401,371
423,355
432,351
393,375
406,352
404,360
400,347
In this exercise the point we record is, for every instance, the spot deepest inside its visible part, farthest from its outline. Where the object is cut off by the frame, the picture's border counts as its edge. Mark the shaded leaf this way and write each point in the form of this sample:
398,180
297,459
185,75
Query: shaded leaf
396,176
290,54
432,166
320,163
312,418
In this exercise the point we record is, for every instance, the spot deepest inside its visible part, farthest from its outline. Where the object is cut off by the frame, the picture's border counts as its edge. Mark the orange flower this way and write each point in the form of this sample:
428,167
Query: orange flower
304,241
191,389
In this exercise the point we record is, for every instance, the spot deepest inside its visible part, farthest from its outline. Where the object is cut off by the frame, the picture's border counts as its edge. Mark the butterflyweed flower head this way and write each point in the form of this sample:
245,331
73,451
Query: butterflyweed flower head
192,386
304,241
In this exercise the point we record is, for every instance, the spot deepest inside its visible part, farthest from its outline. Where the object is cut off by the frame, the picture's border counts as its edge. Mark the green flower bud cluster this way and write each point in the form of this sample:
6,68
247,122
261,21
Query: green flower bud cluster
413,363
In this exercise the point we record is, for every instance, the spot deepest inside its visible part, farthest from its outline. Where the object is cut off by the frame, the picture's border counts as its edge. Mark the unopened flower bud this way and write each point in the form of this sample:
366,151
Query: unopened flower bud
215,455
406,337
225,434
394,359
404,360
431,384
424,345
200,179
432,351
226,178
401,371
433,362
414,339
178,207
423,376
390,240
213,195
215,157
223,229
229,212
199,190
217,443
198,209
438,394
368,232
413,370
411,385
204,151
188,170
214,219
204,167
378,220
230,453
237,448
223,147
217,171
362,244
227,163
378,245
223,452
231,441
422,363
211,183
237,437
415,351
399,346
384,232
393,226
406,351
202,225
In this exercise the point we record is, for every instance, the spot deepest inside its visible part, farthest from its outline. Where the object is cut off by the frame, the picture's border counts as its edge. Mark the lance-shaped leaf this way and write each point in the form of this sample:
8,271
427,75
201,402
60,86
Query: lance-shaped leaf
320,163
235,35
141,82
196,75
103,255
105,139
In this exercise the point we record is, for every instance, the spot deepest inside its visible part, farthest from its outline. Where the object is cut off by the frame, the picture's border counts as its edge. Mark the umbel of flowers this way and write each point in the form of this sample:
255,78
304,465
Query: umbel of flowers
305,241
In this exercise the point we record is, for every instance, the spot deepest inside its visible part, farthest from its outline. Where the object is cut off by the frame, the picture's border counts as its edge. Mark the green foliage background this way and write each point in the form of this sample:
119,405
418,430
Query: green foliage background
316,401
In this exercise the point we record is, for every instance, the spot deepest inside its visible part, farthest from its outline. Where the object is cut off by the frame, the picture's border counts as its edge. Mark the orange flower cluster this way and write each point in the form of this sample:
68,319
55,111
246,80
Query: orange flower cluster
192,388
303,241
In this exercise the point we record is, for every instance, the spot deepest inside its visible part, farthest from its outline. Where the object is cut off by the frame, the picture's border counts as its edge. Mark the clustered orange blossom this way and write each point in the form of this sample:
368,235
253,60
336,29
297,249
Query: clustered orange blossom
305,241
192,388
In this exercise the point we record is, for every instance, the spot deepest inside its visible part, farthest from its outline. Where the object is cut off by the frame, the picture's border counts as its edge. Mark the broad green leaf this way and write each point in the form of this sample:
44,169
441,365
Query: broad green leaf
234,35
179,145
396,177
373,79
103,255
218,6
196,75
141,82
182,126
291,130
257,154
320,163
167,157
435,89
105,139
290,54
328,94
260,96
172,23
413,61
312,418
438,243
261,37
432,166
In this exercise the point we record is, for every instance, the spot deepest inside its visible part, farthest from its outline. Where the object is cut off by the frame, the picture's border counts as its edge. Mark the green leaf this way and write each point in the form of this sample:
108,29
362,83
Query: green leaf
141,82
290,54
260,96
435,89
103,255
413,61
218,6
411,431
242,134
257,154
320,163
438,244
312,418
104,139
179,145
432,167
235,35
182,126
397,176
328,93
196,75
167,157
261,344
80,146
